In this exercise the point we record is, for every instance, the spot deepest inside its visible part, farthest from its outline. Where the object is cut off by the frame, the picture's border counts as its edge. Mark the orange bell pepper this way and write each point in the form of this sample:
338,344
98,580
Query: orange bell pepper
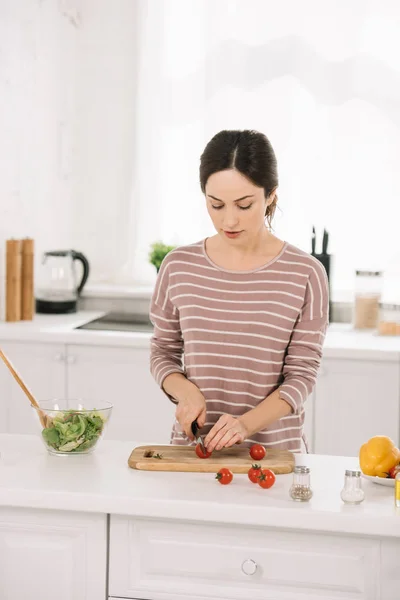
378,455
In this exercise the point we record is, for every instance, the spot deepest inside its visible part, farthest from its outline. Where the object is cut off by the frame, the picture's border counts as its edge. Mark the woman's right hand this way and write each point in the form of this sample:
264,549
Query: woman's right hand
189,409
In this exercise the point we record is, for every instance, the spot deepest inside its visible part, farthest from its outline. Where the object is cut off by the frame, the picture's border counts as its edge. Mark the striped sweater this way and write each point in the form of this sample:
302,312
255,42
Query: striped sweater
239,335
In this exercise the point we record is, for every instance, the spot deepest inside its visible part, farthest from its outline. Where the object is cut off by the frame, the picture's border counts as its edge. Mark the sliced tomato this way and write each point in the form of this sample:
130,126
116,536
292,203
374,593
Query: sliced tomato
266,478
254,473
200,453
224,476
257,452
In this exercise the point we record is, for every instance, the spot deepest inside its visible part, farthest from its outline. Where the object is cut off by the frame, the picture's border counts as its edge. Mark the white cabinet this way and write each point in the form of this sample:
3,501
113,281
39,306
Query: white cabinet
352,401
142,412
42,368
170,559
355,400
52,554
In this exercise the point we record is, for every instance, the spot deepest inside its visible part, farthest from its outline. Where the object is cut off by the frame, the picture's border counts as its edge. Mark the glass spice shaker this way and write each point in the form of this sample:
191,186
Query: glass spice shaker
301,489
352,492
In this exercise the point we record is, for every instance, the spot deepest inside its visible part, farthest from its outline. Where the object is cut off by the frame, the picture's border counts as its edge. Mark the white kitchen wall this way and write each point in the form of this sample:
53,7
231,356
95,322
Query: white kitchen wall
85,162
38,46
67,78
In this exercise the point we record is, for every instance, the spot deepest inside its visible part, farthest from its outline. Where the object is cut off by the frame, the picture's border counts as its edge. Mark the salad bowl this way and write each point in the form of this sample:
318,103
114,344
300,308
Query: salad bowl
73,426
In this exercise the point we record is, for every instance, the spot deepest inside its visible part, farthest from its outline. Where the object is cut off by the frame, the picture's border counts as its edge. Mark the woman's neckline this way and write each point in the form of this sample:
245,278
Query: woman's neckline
265,265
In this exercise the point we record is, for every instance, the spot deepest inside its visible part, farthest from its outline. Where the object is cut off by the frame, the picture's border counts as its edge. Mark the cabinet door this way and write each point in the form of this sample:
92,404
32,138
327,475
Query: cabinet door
167,560
355,400
42,368
142,412
50,555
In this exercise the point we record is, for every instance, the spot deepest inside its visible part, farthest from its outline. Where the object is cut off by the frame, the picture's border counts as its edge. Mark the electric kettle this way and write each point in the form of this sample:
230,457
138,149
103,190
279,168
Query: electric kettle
58,286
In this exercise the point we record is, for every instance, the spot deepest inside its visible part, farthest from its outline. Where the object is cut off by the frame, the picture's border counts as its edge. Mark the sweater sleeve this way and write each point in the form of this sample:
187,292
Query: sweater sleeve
166,343
304,351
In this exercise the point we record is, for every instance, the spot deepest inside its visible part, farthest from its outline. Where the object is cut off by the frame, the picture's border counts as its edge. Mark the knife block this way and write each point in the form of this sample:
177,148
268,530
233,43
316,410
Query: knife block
325,260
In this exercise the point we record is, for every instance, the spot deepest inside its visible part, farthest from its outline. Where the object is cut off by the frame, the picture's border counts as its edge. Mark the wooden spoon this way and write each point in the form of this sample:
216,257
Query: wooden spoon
43,417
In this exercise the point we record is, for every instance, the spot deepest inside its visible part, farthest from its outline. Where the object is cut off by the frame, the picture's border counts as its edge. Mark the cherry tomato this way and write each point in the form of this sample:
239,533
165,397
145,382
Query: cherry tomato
257,452
266,478
393,471
200,452
254,473
224,476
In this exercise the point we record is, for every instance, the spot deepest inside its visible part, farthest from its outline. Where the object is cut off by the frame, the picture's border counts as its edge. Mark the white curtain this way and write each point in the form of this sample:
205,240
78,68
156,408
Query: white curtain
320,79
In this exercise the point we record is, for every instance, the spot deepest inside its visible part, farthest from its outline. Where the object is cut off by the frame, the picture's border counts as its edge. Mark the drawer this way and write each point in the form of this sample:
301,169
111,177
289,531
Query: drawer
171,560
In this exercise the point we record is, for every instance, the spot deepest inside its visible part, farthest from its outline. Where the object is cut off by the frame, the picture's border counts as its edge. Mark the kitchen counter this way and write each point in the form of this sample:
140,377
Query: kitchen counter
107,531
103,483
62,329
341,341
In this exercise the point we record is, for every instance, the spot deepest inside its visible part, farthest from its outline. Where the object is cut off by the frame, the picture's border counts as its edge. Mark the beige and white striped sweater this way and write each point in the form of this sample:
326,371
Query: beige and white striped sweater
239,335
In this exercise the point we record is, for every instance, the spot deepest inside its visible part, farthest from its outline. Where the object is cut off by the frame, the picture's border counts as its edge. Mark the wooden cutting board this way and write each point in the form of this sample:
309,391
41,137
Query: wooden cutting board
184,458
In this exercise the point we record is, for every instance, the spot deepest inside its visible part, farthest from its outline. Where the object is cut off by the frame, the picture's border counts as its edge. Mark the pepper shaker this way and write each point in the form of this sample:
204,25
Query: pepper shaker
301,489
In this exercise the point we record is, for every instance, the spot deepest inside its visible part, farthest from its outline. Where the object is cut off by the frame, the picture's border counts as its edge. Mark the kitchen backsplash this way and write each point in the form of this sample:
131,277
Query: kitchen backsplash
341,311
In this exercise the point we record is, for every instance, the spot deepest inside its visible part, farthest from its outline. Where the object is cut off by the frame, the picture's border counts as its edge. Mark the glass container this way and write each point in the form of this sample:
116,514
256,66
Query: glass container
389,319
71,427
352,492
368,289
301,489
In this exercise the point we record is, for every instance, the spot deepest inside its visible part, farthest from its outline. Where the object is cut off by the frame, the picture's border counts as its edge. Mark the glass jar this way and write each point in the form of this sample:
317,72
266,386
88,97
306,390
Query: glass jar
397,490
368,289
301,489
352,492
389,319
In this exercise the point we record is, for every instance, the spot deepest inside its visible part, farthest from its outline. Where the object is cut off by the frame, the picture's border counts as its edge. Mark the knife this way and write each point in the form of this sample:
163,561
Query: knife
313,241
198,438
325,242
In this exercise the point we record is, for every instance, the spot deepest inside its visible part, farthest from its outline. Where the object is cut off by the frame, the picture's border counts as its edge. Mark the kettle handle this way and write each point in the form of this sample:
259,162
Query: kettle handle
85,263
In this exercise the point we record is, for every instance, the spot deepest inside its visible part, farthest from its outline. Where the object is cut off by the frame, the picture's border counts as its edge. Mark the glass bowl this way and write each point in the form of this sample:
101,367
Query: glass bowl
70,427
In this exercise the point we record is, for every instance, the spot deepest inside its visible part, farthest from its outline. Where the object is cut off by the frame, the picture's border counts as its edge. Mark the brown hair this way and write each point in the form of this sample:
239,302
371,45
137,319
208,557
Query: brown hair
247,151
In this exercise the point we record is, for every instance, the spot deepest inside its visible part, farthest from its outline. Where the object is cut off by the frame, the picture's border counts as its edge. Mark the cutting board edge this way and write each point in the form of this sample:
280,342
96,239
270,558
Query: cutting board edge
180,468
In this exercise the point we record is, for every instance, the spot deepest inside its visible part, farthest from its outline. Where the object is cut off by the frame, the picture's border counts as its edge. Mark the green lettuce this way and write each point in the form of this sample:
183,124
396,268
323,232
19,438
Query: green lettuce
72,431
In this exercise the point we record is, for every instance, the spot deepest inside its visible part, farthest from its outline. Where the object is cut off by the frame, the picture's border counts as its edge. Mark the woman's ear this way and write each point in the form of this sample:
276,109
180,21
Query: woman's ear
271,197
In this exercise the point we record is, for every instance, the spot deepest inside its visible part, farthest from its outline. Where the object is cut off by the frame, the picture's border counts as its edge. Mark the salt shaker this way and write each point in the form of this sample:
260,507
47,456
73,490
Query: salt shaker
301,489
352,492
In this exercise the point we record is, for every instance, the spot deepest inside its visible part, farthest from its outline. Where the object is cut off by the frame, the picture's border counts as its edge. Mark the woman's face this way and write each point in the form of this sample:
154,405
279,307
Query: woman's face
236,206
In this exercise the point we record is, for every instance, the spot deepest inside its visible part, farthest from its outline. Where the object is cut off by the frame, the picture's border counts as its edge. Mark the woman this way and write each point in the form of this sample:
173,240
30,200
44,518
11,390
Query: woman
245,311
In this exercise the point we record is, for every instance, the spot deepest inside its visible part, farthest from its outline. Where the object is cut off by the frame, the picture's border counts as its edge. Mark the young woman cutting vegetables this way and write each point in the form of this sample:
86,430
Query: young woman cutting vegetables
240,317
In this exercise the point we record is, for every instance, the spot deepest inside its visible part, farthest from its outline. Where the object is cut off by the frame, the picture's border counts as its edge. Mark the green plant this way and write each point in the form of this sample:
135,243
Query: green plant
158,252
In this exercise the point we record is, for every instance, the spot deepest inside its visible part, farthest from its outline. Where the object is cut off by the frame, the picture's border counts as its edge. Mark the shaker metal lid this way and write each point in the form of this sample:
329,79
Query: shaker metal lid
352,473
301,469
369,273
387,306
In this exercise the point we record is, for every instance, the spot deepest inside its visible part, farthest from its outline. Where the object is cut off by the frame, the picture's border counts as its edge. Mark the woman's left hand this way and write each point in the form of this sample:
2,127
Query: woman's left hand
226,432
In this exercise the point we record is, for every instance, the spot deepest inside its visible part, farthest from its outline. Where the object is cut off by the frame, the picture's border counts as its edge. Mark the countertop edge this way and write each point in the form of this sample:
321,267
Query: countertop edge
341,340
277,518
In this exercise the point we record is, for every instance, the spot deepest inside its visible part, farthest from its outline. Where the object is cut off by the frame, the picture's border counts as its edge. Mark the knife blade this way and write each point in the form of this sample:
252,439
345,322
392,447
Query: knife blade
198,438
325,242
313,241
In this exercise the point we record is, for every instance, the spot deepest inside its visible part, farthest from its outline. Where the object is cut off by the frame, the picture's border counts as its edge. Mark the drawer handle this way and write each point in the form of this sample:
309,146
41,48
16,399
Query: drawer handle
249,567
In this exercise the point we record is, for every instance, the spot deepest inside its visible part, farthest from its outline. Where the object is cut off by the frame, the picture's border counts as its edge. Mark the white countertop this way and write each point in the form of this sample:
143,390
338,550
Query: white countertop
103,483
61,329
342,341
